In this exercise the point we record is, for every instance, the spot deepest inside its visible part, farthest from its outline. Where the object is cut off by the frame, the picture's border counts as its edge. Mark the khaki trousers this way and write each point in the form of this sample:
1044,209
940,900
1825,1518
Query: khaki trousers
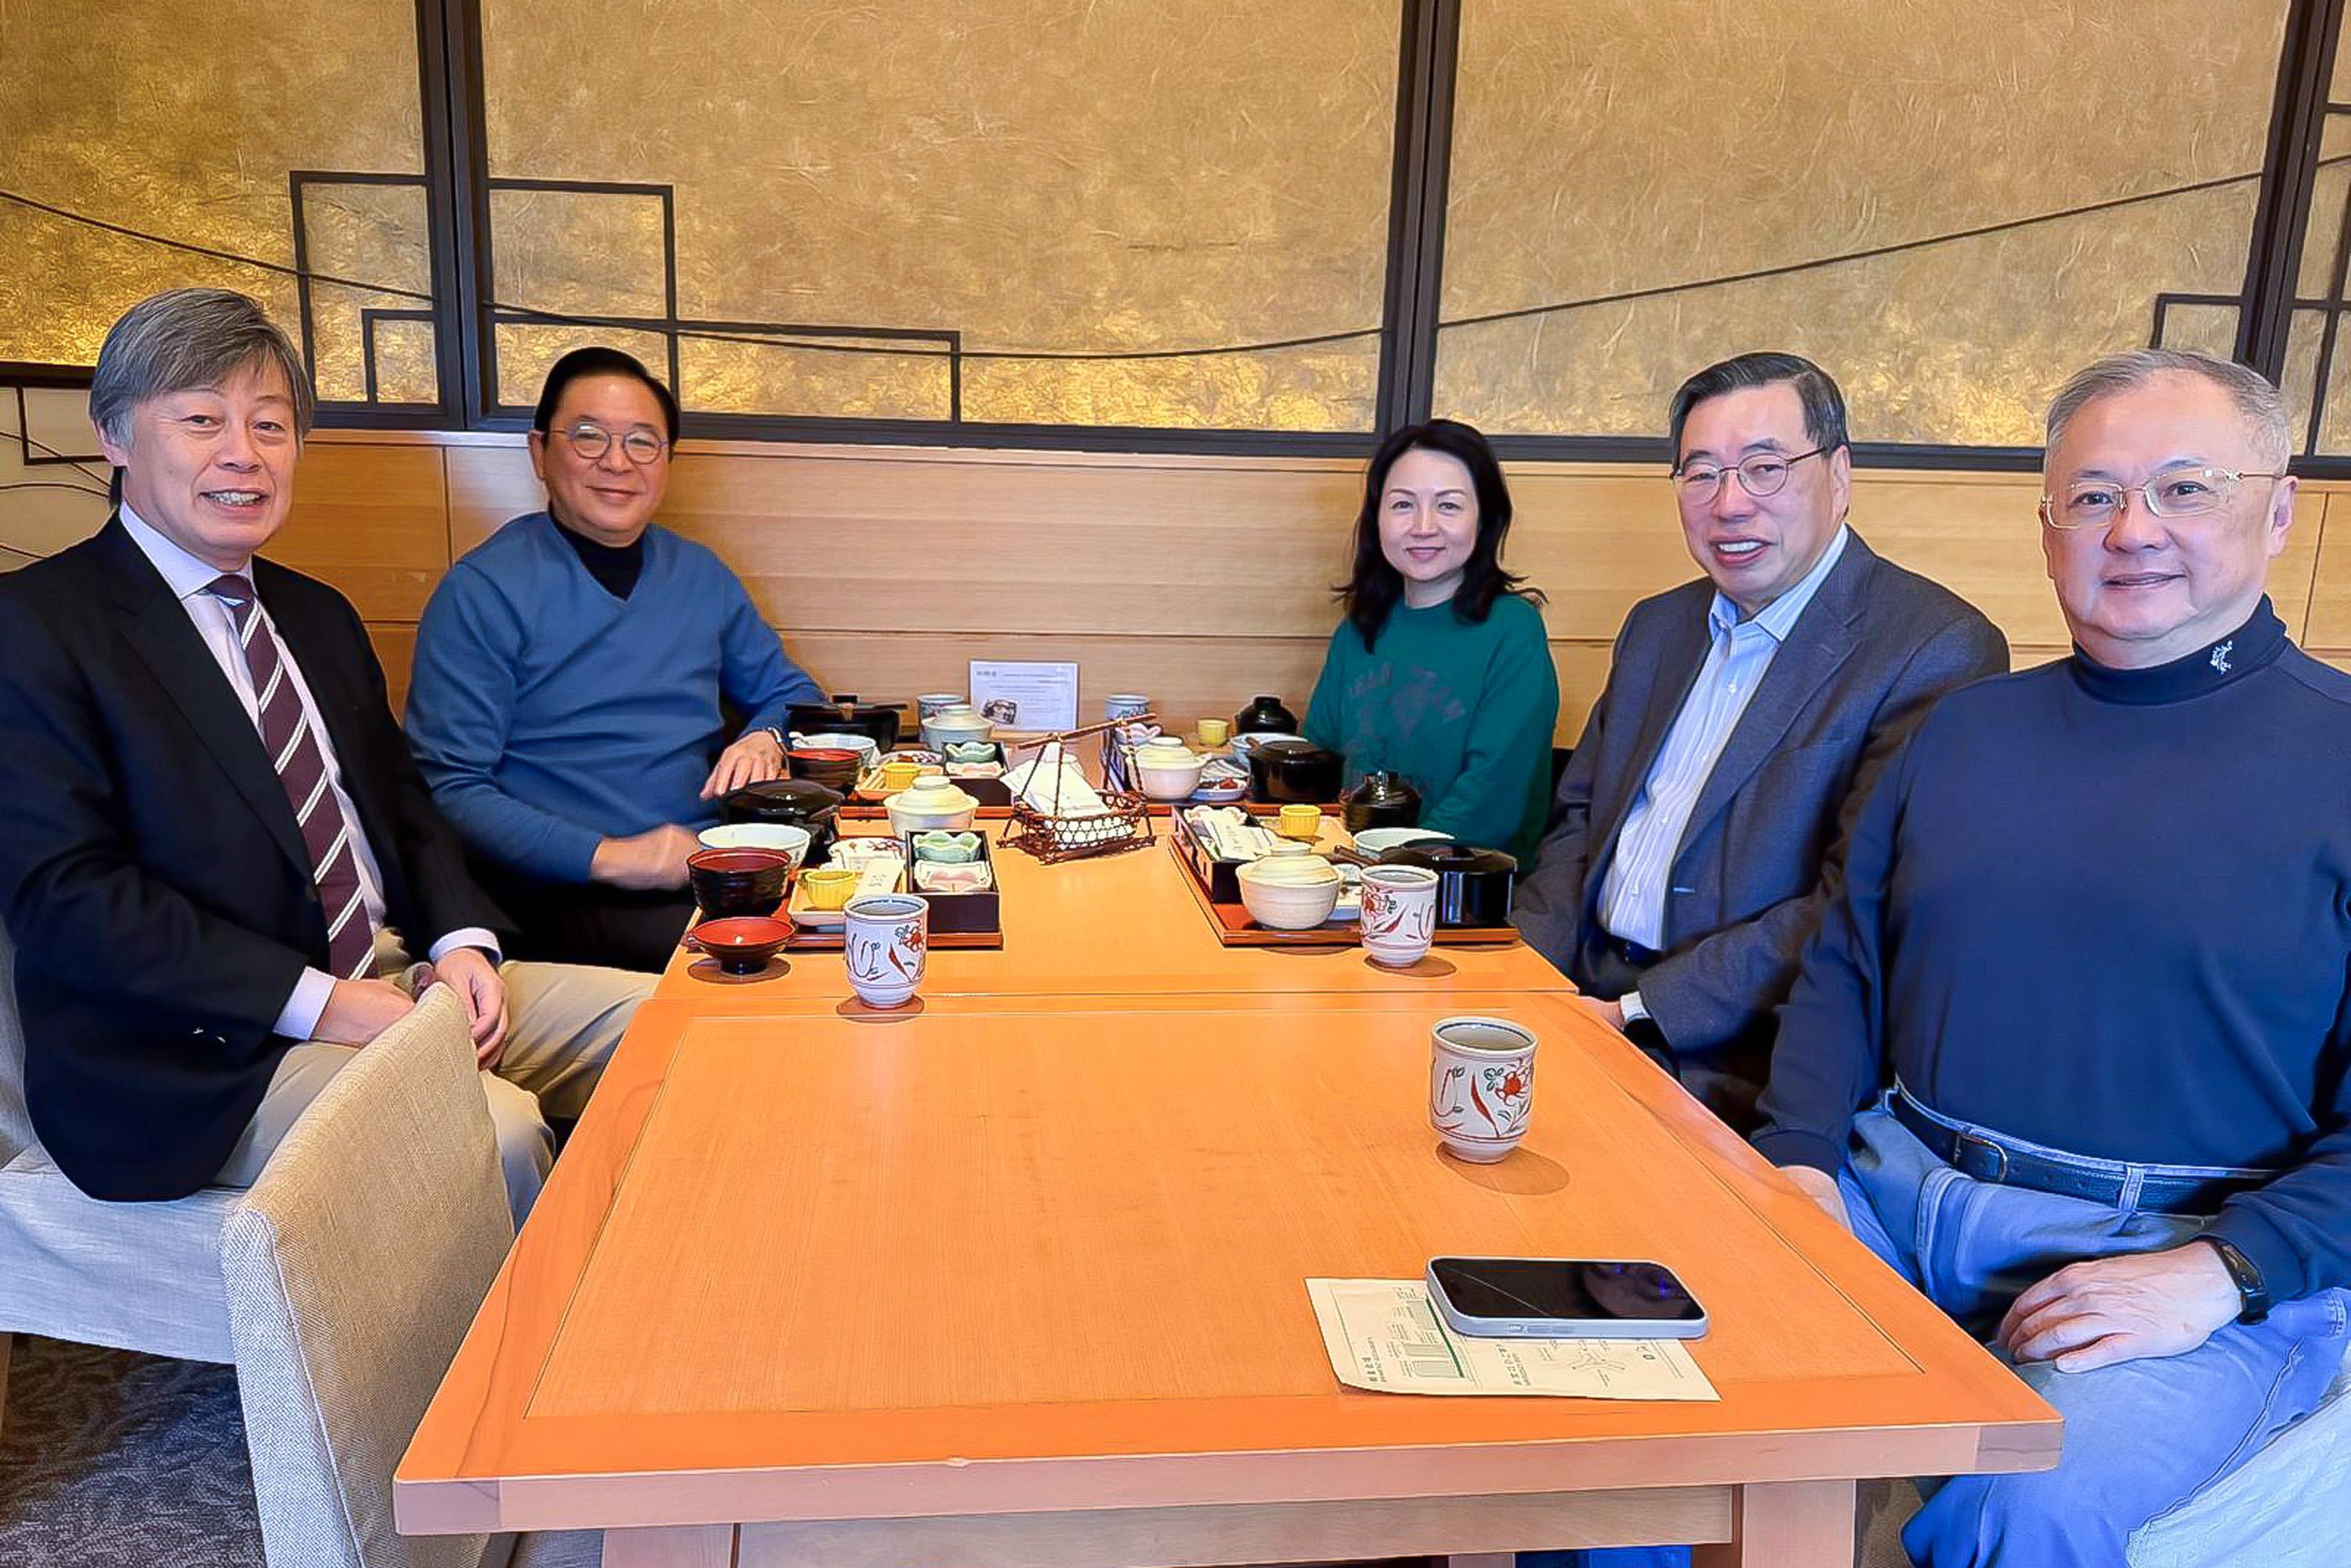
563,1022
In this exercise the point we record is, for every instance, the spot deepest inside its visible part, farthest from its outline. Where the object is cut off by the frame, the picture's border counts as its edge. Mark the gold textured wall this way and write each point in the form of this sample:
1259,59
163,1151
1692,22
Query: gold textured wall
183,120
1605,146
1082,175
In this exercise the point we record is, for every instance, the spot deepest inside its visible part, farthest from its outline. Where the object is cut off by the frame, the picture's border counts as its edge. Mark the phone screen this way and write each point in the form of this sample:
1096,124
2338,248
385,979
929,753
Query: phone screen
1563,1289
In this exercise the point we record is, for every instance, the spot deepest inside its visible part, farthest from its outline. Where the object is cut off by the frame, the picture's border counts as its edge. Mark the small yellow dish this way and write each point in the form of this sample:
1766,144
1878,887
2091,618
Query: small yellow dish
1299,822
828,887
897,776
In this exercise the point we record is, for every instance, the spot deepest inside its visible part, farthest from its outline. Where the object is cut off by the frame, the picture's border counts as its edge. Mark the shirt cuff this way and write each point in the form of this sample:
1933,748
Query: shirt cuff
469,937
299,1018
1629,1003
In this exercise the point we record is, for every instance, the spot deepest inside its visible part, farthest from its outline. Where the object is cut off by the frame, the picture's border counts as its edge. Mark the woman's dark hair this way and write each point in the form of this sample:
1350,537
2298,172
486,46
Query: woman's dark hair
597,360
1376,586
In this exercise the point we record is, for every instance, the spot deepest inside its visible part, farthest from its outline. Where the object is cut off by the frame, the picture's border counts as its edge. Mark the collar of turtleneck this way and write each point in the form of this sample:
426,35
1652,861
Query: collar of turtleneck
615,567
2255,645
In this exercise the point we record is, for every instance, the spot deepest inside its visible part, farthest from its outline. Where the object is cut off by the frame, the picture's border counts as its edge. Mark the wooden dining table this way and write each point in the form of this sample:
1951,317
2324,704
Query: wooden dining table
1016,1276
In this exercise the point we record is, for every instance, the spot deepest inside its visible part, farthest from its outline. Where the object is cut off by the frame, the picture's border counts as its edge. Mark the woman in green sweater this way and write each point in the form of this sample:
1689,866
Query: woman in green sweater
1441,670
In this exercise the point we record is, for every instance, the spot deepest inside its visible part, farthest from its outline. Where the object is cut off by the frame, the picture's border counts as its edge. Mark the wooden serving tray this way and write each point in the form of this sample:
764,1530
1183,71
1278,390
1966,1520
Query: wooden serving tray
1234,928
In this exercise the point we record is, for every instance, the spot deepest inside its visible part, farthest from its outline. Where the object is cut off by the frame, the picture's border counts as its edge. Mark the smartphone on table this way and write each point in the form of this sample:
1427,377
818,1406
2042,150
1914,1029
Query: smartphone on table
1563,1297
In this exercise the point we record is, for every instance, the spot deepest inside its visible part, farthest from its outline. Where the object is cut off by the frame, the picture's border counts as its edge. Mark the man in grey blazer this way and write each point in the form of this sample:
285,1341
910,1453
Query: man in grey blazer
1700,827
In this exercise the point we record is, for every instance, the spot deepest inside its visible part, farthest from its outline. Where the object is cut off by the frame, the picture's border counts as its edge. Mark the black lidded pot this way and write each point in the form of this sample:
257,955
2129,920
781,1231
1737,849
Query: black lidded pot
799,802
847,715
1473,884
1382,801
1294,772
1265,715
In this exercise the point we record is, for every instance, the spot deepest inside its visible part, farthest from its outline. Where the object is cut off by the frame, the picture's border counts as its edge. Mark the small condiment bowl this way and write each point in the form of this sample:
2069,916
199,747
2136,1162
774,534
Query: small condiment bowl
828,887
1299,822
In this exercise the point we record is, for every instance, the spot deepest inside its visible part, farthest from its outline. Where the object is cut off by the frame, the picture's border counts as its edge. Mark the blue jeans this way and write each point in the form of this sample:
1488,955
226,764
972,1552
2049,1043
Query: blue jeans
1973,1247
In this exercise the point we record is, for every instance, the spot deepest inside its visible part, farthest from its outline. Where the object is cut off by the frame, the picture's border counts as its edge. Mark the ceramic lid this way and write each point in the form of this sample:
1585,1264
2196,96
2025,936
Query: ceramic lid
931,792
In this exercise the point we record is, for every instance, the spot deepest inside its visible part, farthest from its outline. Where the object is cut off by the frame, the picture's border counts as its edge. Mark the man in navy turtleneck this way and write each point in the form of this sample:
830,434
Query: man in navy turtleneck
2070,1052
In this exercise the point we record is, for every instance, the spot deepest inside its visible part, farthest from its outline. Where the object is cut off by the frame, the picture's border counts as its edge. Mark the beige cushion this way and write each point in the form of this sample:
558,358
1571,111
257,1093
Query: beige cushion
136,1276
353,1269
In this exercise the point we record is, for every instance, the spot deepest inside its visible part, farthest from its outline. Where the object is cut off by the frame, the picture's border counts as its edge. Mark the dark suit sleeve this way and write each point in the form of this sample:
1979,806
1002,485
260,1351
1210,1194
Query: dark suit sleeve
1548,903
76,901
445,895
1827,1059
1708,994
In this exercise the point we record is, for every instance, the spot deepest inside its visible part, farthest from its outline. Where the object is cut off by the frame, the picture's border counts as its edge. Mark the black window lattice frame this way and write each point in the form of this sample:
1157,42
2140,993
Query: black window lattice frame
465,316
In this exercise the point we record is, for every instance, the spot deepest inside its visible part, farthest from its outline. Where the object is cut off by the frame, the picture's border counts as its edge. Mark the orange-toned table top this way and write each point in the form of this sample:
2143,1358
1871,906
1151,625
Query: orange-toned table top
1125,925
1019,1258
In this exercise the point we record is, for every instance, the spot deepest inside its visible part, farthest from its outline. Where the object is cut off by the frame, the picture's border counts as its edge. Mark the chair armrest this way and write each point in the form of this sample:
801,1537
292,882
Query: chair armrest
353,1269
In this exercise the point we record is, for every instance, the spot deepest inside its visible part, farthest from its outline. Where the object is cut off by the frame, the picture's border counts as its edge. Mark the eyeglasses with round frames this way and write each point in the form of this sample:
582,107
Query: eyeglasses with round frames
592,441
1765,473
2179,493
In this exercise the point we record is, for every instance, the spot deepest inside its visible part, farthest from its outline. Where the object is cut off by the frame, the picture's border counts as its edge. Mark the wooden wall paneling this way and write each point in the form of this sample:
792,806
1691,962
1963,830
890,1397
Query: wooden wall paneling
2327,618
980,543
373,520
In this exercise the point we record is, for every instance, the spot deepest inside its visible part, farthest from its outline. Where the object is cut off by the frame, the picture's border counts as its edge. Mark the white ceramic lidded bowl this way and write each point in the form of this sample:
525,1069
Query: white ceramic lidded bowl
932,800
961,722
1290,892
1169,772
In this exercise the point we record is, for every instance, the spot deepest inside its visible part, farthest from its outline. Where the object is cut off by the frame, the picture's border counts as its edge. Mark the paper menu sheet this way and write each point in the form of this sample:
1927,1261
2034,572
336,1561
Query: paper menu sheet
1385,1335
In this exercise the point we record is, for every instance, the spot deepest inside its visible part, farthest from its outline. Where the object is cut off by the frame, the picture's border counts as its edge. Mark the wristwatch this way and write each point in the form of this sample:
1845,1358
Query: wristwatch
2252,1289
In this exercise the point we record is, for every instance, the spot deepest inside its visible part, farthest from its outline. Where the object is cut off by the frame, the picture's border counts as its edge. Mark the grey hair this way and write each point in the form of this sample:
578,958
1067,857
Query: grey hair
185,339
2258,400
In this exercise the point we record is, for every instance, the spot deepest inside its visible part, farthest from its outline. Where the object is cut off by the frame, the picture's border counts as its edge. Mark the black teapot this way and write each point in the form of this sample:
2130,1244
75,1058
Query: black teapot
1382,801
1265,715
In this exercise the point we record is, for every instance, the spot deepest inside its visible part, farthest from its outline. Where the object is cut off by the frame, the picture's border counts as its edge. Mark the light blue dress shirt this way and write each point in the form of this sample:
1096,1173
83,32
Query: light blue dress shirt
1633,895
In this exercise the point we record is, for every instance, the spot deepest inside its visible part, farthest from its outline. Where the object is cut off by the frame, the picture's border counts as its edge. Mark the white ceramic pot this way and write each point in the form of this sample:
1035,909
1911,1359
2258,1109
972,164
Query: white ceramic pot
1167,773
930,801
1290,892
961,722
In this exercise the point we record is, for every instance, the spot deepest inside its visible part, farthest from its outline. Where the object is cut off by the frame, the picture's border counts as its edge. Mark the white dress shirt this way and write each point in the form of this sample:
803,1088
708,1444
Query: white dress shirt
1633,893
188,579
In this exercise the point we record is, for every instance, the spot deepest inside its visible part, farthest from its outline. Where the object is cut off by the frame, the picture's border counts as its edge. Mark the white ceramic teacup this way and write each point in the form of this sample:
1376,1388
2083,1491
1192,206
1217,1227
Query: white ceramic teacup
931,703
887,937
1481,1084
1399,919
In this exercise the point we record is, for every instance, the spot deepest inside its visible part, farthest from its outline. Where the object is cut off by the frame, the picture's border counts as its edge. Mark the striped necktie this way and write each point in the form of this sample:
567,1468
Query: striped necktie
302,770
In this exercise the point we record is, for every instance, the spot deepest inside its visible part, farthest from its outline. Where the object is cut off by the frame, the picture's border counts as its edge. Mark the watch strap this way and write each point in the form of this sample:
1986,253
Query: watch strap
2252,1289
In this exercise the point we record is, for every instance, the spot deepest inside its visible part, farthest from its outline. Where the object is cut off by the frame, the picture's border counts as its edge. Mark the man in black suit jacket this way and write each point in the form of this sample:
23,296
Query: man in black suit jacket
1699,825
217,848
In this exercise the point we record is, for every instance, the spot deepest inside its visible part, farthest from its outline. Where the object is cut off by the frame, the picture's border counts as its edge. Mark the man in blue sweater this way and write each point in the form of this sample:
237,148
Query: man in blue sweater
2070,1050
572,671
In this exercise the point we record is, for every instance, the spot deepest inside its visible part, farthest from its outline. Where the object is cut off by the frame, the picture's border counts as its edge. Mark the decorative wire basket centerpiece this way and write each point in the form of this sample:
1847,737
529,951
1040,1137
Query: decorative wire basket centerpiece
1055,820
